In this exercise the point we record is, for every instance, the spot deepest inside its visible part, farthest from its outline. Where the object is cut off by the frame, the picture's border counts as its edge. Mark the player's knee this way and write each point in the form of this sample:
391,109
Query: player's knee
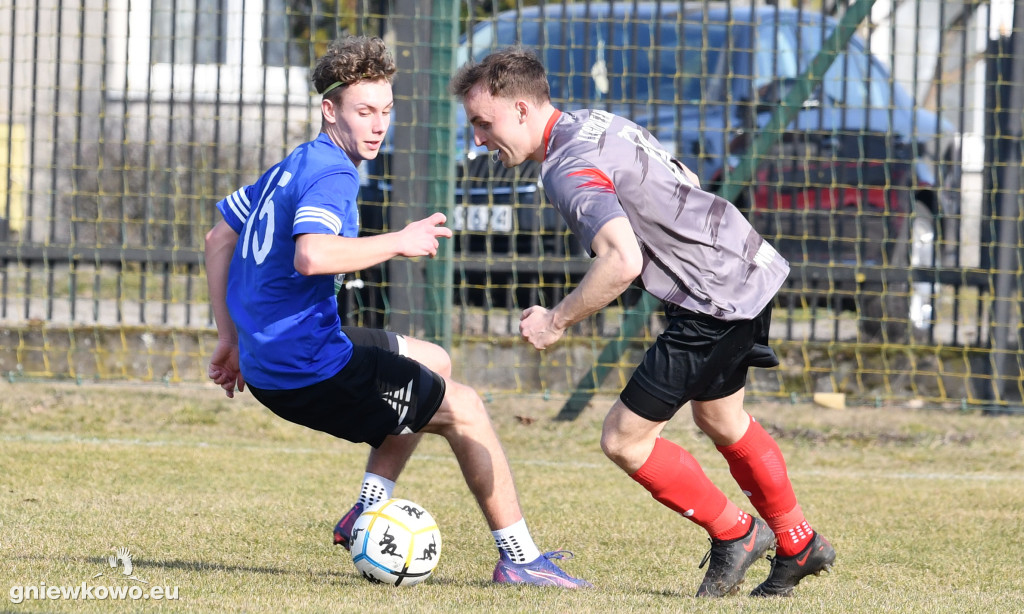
626,448
466,406
614,445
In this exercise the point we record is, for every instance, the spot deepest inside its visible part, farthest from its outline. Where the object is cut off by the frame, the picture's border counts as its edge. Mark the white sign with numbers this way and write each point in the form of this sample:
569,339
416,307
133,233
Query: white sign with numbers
481,218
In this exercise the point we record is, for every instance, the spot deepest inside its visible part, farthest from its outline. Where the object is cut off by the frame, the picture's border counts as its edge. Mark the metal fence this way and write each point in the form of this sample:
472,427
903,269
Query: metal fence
878,145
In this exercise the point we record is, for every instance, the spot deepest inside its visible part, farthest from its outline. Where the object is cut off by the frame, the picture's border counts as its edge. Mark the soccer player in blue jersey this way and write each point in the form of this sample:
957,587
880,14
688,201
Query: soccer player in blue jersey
643,217
271,264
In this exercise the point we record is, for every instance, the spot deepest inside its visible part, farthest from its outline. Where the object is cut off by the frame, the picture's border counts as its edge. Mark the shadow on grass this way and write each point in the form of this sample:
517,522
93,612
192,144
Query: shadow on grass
343,576
175,564
178,564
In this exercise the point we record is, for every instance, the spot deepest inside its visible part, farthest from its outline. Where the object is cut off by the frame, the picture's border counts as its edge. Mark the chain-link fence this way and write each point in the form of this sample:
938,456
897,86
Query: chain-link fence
877,145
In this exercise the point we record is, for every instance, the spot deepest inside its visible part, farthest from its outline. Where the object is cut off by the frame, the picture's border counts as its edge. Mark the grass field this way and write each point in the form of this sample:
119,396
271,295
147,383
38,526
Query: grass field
233,507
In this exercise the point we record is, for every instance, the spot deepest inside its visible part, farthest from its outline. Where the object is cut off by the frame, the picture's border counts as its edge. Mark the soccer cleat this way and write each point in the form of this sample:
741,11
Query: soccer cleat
731,558
343,530
787,571
539,572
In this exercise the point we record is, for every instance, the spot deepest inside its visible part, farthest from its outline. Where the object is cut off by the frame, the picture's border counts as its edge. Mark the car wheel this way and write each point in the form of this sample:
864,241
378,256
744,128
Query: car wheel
897,310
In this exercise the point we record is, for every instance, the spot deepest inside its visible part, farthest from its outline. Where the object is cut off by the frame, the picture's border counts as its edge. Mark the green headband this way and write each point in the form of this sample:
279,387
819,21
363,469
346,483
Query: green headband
332,87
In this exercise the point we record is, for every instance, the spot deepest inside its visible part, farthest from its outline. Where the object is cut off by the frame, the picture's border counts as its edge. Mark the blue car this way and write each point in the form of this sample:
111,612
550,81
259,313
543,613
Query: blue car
849,190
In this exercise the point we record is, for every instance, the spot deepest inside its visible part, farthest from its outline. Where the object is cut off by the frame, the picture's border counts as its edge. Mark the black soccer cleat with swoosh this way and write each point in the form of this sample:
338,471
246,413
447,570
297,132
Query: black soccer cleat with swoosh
787,571
730,559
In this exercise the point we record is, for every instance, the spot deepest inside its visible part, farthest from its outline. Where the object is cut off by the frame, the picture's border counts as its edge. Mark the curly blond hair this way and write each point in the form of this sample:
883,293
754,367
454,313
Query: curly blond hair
351,60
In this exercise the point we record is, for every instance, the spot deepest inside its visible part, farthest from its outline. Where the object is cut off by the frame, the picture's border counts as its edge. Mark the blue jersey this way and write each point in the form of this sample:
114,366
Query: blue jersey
289,332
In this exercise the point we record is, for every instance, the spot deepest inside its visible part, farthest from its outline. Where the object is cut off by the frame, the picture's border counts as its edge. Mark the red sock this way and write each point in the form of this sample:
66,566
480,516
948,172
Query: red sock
759,468
674,478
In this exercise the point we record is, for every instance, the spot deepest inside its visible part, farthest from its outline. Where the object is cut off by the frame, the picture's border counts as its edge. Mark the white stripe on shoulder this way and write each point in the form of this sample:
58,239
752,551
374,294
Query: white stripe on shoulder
239,203
318,215
240,192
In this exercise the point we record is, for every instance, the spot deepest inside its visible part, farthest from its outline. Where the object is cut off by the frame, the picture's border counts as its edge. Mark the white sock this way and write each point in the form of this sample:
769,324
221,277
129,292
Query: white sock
375,488
515,541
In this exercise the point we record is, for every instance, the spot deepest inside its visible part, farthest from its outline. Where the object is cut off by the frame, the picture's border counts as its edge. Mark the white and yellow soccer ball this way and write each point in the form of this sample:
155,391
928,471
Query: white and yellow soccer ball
396,542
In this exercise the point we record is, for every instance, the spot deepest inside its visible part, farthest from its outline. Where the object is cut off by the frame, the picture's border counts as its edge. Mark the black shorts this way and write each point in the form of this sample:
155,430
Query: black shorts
378,393
387,340
697,357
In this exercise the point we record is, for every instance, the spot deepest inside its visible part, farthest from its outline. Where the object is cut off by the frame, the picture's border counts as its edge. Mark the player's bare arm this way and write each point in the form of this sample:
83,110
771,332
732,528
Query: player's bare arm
616,264
224,369
322,254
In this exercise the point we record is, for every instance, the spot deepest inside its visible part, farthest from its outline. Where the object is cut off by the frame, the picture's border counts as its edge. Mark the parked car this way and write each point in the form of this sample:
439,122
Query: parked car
849,192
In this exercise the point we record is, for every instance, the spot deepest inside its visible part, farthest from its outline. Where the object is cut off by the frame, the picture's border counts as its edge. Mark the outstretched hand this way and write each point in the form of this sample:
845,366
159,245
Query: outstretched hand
420,238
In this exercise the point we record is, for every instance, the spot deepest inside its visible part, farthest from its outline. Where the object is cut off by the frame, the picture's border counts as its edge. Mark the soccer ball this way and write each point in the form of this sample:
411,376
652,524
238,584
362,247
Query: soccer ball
396,542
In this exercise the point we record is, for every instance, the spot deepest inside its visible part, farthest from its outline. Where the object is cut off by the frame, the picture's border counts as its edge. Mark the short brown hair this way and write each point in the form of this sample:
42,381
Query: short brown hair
513,72
351,60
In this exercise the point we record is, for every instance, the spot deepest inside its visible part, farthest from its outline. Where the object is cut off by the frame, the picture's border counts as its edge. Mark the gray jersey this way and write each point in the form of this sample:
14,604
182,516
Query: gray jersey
699,251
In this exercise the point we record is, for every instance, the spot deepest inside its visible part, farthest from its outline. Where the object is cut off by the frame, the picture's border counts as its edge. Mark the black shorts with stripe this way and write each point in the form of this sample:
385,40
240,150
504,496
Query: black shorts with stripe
697,357
378,393
378,337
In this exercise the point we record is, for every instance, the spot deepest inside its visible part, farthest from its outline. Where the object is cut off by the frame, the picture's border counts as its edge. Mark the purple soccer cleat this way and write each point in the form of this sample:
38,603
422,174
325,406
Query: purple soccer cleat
539,572
343,530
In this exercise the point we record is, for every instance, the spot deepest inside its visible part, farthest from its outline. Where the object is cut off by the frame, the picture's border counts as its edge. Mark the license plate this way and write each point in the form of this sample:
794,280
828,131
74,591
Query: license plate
483,218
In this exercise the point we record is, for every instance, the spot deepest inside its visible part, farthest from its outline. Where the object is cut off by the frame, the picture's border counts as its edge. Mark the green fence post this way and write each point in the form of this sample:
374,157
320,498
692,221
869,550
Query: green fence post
441,188
633,320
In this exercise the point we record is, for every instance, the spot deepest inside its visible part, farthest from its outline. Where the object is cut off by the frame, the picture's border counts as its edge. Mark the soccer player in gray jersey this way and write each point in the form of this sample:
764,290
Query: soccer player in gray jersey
642,214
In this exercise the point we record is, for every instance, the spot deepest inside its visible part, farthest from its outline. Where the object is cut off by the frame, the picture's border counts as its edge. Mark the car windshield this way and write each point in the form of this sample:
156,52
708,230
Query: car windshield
853,78
599,59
